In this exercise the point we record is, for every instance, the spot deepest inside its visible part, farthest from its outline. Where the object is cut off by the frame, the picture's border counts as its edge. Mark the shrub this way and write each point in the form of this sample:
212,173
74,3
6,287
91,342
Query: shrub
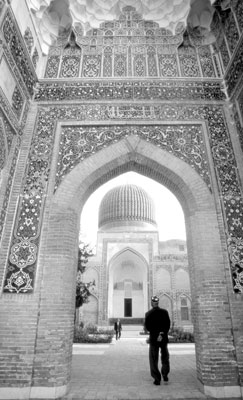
91,328
179,335
91,334
176,335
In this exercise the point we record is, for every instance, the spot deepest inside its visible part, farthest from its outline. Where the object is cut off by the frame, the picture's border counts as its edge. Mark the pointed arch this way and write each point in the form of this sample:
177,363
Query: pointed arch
127,248
128,278
61,223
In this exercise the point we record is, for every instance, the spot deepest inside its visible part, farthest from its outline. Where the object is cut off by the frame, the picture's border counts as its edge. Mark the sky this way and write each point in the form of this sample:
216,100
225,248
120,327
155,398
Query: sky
168,211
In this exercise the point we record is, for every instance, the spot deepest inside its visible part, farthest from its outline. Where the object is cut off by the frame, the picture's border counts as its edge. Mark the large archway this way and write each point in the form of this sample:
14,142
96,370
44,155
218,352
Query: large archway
203,223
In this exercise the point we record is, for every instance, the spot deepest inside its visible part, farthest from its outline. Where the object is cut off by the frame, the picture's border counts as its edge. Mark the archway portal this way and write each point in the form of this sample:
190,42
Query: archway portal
205,251
127,296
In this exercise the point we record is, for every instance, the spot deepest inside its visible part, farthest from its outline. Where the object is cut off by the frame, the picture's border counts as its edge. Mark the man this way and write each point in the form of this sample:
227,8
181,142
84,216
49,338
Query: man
118,328
157,323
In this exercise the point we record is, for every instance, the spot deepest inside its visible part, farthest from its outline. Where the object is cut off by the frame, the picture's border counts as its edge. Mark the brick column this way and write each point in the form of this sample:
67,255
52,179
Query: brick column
217,367
57,276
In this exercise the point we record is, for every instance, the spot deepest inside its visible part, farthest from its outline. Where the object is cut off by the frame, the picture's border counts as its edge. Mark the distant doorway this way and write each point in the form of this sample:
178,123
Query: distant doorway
127,283
127,307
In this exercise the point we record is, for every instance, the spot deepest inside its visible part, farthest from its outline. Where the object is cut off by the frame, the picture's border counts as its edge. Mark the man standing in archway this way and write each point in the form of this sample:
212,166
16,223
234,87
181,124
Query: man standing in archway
157,323
118,328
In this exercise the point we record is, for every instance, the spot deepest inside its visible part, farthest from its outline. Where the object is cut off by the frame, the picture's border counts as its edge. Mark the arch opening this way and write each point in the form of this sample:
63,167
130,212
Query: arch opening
205,253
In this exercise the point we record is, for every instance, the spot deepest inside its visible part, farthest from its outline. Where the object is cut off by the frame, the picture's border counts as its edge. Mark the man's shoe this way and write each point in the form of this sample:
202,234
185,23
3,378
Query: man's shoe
165,378
156,382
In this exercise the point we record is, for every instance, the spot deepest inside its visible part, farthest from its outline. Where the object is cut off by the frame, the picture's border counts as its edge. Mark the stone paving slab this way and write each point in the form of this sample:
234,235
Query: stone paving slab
121,372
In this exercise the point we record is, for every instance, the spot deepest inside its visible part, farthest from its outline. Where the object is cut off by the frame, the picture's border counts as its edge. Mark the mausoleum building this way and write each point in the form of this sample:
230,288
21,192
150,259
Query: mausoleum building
131,264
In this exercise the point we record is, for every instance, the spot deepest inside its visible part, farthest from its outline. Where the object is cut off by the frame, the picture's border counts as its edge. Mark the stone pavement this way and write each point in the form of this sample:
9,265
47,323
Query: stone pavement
121,371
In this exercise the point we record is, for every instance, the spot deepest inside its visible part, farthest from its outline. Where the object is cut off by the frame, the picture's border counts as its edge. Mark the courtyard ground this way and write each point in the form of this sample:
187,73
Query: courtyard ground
121,371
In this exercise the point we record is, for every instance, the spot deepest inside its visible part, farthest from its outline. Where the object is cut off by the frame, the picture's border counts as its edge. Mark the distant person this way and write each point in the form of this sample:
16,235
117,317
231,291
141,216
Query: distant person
118,328
157,323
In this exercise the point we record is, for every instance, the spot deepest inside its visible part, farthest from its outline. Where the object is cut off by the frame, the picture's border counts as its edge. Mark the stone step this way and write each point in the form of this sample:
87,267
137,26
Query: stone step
132,331
132,327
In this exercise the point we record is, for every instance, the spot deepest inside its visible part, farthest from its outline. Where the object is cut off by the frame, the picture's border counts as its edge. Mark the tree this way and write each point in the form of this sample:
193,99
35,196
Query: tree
83,288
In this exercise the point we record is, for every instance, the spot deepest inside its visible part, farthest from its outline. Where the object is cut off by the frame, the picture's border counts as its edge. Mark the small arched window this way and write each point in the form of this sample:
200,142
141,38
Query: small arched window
184,309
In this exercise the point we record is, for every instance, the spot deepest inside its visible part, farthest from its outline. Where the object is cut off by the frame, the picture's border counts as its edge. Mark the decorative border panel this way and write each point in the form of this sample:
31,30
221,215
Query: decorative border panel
10,134
25,241
129,90
235,75
14,43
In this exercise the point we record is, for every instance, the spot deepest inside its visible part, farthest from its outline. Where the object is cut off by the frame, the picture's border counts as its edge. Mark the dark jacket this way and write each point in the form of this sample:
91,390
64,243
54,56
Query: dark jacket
157,320
117,326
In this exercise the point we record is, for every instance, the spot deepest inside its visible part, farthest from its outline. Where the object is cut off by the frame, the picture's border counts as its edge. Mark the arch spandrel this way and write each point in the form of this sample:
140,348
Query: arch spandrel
134,154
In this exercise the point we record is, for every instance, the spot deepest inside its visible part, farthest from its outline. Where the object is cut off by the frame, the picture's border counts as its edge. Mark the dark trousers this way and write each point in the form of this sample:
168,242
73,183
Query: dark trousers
118,334
154,360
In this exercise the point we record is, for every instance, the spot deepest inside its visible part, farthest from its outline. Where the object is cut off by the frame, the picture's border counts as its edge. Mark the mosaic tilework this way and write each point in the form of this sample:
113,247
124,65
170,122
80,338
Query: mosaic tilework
7,135
235,73
91,66
5,107
129,90
238,117
231,32
206,62
188,59
25,240
127,47
238,9
122,48
15,71
183,141
26,233
17,102
53,63
70,62
8,131
224,53
13,41
168,65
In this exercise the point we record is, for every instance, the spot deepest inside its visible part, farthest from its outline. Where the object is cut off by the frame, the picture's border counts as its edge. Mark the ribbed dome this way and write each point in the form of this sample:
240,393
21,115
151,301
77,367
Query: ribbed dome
127,205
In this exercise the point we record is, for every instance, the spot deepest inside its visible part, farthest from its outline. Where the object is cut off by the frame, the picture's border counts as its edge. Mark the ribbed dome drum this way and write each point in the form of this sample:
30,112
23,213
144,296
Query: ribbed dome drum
127,205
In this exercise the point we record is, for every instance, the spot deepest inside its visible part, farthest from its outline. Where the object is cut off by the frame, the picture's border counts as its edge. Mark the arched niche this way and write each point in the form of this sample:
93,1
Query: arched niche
163,280
166,302
127,288
182,280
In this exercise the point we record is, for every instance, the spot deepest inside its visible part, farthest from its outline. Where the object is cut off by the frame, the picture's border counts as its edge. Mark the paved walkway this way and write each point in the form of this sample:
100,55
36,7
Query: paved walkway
120,371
